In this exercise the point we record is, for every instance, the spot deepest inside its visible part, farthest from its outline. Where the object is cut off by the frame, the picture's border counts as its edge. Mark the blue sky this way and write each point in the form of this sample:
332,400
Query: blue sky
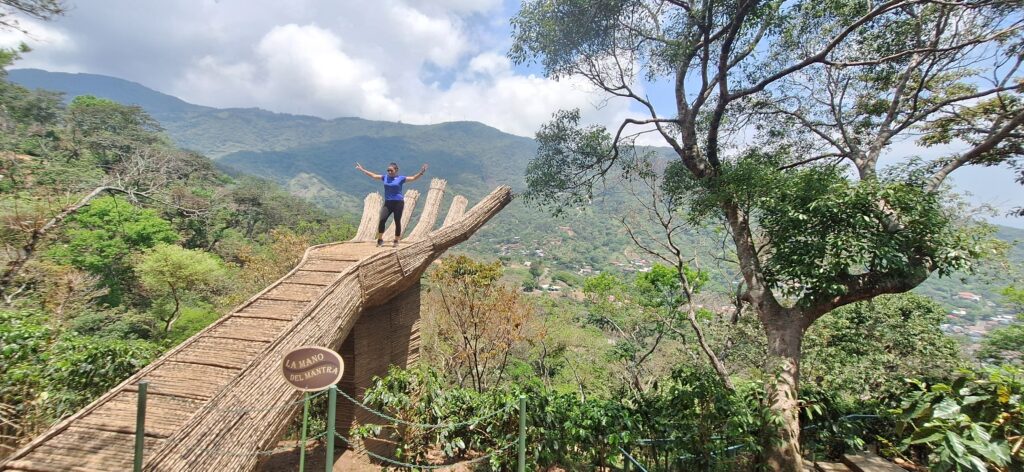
423,61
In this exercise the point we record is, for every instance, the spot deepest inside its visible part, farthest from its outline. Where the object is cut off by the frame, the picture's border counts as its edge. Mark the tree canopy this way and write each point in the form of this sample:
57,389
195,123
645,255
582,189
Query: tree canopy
784,113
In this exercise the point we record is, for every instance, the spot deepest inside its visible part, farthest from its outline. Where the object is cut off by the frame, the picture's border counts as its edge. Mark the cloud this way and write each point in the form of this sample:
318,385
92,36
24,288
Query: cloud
491,92
416,61
37,35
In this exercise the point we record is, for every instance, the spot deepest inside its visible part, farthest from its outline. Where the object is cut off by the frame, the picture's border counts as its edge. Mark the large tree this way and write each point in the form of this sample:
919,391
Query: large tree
124,154
782,113
172,274
478,323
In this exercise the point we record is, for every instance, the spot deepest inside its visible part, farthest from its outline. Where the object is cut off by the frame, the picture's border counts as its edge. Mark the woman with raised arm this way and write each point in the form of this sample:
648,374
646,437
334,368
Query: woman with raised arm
393,201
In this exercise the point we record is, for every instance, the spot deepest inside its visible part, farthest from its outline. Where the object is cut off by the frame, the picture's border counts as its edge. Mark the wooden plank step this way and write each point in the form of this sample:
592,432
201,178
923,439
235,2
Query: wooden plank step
869,462
346,251
275,309
293,292
249,329
193,381
84,450
220,352
336,256
323,265
312,277
164,414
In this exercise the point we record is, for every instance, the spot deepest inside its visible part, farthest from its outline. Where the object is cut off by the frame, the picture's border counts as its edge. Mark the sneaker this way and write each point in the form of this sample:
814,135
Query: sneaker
380,242
395,244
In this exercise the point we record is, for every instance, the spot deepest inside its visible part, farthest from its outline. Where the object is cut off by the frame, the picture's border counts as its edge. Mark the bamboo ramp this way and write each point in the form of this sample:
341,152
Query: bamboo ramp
218,399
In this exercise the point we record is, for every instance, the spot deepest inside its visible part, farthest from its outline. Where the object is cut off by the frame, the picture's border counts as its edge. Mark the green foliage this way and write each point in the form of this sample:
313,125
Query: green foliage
423,396
48,374
114,325
836,424
174,273
966,126
687,422
24,337
561,429
326,231
27,116
80,368
563,32
570,161
661,287
466,272
9,55
259,206
1004,344
108,131
970,424
102,237
535,270
192,319
602,285
834,229
863,352
635,318
827,229
1015,296
700,424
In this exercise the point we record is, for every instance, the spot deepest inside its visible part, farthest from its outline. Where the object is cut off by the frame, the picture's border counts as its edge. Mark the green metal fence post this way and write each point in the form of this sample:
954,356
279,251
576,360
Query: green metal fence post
332,400
522,433
140,425
302,443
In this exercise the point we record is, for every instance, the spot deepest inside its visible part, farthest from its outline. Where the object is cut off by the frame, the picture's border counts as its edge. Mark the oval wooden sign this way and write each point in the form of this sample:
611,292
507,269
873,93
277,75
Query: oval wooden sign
312,368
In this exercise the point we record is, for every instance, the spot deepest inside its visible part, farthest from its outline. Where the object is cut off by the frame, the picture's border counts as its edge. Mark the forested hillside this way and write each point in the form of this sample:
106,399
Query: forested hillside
117,246
602,336
314,158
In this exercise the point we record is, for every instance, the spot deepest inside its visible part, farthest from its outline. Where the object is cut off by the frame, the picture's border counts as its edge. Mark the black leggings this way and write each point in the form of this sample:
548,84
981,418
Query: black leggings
391,206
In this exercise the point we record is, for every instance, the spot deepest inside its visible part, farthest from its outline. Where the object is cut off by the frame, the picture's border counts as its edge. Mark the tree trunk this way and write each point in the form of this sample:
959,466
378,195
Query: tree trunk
785,335
28,249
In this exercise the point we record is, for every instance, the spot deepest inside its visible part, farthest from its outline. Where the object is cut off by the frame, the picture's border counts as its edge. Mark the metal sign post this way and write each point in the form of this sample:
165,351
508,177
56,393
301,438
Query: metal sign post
332,400
305,421
140,425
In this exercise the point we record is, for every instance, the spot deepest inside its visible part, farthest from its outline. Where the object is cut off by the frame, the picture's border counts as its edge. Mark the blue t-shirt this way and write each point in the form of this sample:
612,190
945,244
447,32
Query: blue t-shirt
393,187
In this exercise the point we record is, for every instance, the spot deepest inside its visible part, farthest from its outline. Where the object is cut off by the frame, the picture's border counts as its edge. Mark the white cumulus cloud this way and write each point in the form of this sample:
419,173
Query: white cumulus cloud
416,61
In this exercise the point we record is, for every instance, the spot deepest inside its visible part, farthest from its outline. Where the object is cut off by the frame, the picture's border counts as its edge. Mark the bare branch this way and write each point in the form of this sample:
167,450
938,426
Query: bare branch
821,55
922,51
987,145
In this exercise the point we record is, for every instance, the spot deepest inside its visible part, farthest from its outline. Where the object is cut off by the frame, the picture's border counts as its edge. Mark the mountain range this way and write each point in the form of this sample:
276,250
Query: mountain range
312,156
315,158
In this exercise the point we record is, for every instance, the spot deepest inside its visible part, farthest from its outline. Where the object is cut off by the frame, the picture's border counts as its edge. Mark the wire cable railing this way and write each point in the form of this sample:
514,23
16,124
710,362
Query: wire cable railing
329,434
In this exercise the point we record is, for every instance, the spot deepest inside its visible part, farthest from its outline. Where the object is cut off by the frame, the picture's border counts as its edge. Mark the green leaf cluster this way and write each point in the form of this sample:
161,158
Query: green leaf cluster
687,422
974,423
821,229
861,353
103,237
50,373
570,160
